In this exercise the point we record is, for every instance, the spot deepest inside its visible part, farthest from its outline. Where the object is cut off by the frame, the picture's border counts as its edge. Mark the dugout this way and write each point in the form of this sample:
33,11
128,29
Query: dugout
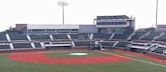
58,46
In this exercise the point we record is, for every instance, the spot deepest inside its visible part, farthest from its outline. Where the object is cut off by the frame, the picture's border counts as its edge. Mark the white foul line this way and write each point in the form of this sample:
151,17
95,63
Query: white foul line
133,59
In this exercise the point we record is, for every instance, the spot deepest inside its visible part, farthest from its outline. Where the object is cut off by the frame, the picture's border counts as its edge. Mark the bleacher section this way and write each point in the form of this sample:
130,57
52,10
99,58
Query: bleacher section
121,36
60,37
81,36
40,37
151,35
3,37
107,44
16,36
4,47
82,43
101,36
22,45
139,40
162,38
137,35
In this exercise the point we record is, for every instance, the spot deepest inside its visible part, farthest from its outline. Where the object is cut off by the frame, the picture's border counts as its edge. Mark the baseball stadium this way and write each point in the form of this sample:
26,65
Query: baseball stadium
111,44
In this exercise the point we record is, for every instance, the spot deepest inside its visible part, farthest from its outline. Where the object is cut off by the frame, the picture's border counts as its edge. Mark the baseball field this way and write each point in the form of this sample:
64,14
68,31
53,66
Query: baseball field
79,61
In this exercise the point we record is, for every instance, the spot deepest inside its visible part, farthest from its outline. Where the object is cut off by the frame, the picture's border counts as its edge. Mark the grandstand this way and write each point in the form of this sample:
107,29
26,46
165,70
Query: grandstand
40,37
82,43
3,37
122,44
22,45
37,45
109,32
17,37
60,37
101,36
121,36
81,36
5,47
160,50
107,44
16,41
151,35
137,35
162,37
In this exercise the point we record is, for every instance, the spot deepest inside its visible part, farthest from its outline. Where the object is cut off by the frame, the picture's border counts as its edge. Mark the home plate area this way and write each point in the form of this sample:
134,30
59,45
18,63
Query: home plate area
74,58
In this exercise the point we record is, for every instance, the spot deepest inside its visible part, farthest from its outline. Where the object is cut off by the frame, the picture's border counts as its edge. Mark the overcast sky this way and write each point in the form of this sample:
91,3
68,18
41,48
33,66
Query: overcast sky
78,11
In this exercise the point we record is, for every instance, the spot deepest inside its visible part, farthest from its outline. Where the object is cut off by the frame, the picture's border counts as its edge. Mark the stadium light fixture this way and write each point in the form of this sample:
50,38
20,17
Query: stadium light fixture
63,4
156,14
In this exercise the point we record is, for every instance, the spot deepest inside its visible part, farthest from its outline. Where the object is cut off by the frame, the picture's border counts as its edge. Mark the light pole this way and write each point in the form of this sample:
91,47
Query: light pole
156,13
62,3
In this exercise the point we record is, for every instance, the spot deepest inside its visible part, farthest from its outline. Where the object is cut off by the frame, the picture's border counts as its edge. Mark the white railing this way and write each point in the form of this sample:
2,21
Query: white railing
115,43
28,37
156,37
51,37
8,37
32,45
111,36
73,44
11,46
131,36
69,37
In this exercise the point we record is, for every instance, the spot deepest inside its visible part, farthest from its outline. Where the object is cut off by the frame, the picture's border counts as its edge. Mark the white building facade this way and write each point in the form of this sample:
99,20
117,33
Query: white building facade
114,24
104,24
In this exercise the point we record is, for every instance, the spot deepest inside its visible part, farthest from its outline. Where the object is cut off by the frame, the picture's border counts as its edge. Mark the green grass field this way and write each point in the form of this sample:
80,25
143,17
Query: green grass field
7,65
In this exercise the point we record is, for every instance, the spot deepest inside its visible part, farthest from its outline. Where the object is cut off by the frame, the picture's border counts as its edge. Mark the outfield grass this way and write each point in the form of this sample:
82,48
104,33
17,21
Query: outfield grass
7,65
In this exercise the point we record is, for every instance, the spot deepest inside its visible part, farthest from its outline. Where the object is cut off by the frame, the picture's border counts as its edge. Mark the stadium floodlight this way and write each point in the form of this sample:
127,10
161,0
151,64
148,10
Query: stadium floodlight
62,3
156,13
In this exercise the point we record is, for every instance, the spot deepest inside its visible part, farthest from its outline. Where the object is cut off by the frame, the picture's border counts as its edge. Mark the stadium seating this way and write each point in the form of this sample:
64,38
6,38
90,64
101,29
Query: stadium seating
3,37
101,36
22,45
81,36
82,43
162,38
107,44
137,35
60,37
4,47
16,36
81,39
121,36
40,37
151,35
